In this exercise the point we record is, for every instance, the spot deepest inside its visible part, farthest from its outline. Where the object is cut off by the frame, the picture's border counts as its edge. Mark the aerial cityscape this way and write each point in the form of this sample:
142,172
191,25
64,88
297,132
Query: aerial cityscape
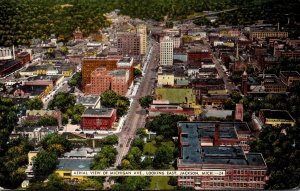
155,95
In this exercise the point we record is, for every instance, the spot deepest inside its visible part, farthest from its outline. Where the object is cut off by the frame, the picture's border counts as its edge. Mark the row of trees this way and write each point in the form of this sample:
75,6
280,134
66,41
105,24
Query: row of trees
153,153
54,145
23,20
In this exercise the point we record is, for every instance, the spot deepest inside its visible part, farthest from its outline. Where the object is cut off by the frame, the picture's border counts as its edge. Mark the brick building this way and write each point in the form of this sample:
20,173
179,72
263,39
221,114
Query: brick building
102,80
128,44
199,55
89,64
221,147
239,112
98,119
24,57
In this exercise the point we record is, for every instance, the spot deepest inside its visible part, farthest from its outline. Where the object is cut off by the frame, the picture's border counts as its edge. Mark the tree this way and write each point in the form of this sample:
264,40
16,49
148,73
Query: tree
76,79
139,143
47,121
133,183
35,103
17,75
44,164
110,140
12,163
104,158
137,72
169,24
62,101
165,124
163,157
281,151
111,99
146,101
56,143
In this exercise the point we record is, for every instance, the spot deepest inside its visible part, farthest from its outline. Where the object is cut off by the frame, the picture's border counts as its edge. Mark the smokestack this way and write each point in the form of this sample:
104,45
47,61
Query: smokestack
217,134
13,51
278,26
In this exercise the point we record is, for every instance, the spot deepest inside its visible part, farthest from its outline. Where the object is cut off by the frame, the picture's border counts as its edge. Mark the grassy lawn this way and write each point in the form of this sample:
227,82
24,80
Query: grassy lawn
176,95
160,183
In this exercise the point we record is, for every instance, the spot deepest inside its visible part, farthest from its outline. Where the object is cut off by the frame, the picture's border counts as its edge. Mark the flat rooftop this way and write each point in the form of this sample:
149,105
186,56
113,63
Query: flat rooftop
277,114
48,77
194,153
103,112
118,72
7,64
89,99
74,164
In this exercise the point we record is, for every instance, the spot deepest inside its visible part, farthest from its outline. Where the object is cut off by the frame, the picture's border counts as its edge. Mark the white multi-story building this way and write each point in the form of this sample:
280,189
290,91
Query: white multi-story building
166,51
142,31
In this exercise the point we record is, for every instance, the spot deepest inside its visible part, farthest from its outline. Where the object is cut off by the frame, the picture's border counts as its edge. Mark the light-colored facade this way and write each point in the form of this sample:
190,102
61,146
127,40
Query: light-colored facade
265,34
166,51
142,31
165,79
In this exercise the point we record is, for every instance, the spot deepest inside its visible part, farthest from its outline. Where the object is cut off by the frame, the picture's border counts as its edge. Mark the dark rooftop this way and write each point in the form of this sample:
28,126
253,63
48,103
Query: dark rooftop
277,114
290,73
6,64
125,59
194,153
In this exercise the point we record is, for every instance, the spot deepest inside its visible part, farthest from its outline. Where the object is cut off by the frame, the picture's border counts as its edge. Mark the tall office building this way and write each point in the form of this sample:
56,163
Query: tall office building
128,44
166,51
142,31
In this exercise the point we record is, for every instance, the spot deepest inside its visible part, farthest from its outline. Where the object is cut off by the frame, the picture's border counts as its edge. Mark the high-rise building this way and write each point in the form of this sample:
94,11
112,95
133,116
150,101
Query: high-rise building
142,32
89,64
102,80
166,51
128,44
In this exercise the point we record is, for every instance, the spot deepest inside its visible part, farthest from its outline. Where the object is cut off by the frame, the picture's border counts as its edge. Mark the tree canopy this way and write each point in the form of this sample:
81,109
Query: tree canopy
281,149
111,99
165,124
56,143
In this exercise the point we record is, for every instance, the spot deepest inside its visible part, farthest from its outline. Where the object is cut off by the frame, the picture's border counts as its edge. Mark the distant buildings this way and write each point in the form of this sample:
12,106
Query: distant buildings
220,147
166,51
98,119
264,34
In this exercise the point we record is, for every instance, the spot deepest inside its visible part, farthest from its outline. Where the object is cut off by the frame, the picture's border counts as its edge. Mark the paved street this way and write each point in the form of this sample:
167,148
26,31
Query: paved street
228,85
137,115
